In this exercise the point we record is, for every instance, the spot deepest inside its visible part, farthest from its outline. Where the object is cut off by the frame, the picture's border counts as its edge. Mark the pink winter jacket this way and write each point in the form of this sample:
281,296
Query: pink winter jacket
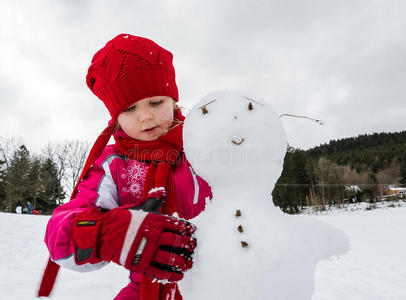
115,180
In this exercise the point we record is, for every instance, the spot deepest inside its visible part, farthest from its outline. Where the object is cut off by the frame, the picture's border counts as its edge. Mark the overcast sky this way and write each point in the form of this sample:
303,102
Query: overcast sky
339,61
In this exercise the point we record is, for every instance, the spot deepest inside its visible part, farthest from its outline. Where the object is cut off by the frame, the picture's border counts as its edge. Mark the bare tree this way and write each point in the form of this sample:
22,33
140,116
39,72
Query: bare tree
8,145
328,182
77,153
70,157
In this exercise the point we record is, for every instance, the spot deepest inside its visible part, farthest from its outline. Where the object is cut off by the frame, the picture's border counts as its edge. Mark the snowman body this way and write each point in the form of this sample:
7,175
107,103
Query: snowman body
247,248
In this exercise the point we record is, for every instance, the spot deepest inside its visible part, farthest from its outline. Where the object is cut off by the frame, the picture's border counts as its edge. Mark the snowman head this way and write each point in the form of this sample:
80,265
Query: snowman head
233,138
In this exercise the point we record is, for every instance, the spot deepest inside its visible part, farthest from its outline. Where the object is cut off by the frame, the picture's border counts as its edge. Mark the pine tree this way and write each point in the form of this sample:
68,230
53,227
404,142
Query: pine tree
34,181
51,193
403,169
2,185
16,178
292,187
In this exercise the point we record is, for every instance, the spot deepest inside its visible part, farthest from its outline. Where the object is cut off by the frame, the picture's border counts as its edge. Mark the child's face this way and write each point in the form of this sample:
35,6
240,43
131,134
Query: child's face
148,119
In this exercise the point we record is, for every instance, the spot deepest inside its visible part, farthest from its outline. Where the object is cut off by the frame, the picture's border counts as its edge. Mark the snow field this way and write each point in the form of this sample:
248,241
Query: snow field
375,266
373,269
23,257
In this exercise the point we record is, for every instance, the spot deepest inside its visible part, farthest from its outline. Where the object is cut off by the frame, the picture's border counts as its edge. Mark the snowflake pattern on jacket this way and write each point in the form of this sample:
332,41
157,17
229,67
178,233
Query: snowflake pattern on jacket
135,173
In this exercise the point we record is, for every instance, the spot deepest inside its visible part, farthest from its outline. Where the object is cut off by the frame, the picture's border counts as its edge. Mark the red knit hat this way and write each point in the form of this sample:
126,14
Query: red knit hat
129,68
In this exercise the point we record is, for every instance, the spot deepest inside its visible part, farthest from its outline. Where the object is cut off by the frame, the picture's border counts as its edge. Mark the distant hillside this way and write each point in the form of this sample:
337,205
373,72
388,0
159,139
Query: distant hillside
369,151
319,175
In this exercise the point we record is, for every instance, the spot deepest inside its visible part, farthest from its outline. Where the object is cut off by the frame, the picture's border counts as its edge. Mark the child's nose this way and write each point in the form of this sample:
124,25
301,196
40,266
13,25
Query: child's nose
145,116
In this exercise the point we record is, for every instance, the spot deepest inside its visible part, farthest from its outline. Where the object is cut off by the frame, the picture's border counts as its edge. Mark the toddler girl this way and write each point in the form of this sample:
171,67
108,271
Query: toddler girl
124,207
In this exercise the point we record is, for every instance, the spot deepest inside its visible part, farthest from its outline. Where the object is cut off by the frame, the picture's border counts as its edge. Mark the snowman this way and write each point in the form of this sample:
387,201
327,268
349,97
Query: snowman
248,248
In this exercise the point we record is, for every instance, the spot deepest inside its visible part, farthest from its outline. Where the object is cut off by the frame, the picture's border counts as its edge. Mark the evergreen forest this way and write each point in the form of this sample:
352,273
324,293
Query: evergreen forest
40,182
351,169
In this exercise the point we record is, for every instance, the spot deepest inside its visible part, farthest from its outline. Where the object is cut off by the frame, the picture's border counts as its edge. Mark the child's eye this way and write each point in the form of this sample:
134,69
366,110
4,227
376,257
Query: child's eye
131,108
156,103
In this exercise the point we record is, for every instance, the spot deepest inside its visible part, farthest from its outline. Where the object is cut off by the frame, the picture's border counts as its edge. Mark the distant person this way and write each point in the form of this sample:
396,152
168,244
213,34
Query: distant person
30,208
19,208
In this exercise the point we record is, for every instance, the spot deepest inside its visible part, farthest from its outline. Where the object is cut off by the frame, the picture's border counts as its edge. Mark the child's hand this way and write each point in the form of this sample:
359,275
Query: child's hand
166,248
157,245
153,201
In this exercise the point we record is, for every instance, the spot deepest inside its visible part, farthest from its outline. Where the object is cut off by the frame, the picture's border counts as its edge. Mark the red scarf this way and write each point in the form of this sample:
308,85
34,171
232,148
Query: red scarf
162,154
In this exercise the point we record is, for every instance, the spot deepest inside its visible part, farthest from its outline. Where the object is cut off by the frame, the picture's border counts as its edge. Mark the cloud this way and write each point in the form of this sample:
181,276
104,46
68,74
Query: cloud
339,61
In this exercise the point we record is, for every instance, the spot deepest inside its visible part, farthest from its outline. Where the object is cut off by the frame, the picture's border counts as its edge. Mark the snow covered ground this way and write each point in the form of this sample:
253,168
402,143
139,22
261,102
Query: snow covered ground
355,207
374,269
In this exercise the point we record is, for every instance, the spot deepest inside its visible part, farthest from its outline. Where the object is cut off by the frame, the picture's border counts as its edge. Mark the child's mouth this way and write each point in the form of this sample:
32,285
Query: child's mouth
150,129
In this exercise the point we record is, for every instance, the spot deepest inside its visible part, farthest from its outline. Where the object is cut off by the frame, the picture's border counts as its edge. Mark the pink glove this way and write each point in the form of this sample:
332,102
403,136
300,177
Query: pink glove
157,245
